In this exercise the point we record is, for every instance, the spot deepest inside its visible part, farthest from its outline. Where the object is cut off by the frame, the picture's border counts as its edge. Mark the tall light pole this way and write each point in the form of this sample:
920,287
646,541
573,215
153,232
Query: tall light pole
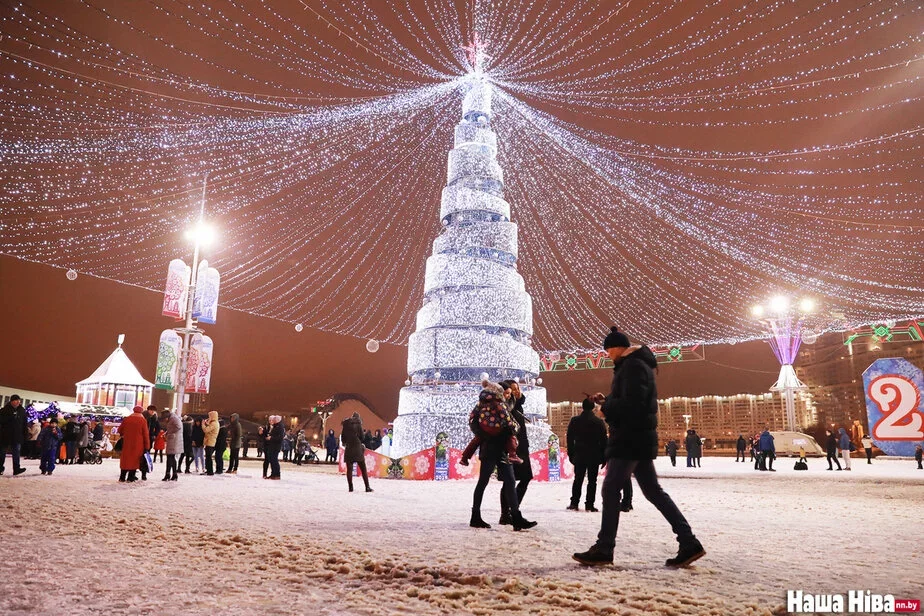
784,320
201,235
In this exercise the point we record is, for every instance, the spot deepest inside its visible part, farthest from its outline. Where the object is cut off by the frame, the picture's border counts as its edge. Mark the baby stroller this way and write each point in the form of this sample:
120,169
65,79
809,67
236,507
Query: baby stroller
312,456
91,453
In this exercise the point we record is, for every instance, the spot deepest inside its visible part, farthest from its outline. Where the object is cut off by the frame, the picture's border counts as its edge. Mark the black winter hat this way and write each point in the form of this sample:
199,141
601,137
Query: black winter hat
615,339
587,404
15,397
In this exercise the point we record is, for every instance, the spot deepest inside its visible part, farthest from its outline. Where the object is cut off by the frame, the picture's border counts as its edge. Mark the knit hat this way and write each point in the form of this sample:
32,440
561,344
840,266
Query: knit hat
494,388
615,339
587,404
137,409
15,397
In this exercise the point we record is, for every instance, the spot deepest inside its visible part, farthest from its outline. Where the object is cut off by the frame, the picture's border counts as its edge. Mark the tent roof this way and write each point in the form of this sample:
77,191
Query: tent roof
117,369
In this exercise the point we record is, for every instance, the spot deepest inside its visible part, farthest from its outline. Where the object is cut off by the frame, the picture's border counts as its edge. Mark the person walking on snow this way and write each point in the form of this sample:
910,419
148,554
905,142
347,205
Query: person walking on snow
671,450
236,437
330,444
171,427
740,447
351,435
586,438
831,450
868,448
767,450
210,431
844,444
136,441
272,444
631,411
919,456
49,440
12,433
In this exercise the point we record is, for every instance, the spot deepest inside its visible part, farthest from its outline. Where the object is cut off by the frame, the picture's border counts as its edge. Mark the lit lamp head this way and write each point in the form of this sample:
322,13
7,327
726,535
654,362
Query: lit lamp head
807,305
779,304
202,234
757,310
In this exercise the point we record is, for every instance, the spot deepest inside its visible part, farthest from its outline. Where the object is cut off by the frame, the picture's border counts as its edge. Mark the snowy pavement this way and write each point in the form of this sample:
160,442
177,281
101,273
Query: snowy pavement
80,543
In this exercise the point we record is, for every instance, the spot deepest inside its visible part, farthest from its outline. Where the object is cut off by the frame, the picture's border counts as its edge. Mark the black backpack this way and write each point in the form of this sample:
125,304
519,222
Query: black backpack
800,466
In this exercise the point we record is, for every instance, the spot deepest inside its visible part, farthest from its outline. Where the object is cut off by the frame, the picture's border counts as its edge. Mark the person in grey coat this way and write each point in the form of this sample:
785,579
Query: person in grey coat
351,435
235,440
83,439
173,426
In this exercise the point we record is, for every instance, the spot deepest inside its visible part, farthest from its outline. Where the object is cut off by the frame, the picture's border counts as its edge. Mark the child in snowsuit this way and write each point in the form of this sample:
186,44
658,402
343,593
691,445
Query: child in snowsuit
493,418
49,440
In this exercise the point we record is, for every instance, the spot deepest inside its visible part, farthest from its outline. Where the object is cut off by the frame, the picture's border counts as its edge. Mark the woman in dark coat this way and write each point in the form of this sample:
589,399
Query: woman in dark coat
351,435
272,444
493,454
330,444
187,444
522,472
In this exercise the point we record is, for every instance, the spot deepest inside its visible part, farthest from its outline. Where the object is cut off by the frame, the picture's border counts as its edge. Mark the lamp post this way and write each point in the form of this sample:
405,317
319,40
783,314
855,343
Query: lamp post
201,235
784,320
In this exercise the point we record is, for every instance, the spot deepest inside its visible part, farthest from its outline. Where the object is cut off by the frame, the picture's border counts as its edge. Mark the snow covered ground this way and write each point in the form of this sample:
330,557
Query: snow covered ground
79,543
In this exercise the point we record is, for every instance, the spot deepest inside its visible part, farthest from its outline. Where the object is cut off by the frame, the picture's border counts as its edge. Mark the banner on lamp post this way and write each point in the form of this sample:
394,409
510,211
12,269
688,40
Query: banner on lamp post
199,375
205,306
168,360
895,405
176,292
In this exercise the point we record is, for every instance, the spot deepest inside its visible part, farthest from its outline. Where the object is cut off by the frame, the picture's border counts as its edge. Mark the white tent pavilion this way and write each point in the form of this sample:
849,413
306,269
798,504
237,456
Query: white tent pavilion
115,383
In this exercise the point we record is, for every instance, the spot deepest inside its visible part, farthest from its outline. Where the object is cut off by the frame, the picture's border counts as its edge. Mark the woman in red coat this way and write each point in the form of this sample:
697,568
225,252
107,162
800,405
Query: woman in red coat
135,441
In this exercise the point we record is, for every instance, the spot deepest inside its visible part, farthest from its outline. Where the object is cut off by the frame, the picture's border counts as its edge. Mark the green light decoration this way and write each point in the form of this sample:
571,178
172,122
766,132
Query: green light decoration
596,360
889,332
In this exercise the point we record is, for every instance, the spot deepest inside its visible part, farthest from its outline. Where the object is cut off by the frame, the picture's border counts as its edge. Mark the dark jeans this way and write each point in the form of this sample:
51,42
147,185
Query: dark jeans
209,456
331,456
186,457
522,485
617,473
362,470
272,457
689,460
505,473
869,455
219,461
70,448
14,451
739,454
673,459
833,456
591,471
233,460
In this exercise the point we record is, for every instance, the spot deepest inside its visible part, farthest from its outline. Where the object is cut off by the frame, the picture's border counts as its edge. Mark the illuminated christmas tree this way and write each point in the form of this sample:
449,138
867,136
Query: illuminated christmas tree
477,318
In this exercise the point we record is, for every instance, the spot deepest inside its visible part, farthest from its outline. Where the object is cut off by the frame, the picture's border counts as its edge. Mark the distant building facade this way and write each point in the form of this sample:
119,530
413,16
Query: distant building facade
833,371
718,419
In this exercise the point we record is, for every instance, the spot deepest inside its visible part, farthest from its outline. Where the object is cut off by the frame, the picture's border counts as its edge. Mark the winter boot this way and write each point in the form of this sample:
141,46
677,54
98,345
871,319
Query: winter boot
687,554
521,523
573,507
505,518
594,557
476,521
593,509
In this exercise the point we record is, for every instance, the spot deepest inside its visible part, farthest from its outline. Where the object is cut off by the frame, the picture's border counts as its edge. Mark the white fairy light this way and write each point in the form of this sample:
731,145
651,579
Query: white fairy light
326,170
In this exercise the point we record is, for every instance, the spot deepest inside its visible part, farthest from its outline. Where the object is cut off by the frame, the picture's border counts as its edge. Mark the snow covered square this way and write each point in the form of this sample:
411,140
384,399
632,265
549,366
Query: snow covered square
81,543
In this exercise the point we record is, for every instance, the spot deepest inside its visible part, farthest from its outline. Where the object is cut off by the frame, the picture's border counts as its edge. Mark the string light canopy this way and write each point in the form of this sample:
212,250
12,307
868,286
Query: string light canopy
667,164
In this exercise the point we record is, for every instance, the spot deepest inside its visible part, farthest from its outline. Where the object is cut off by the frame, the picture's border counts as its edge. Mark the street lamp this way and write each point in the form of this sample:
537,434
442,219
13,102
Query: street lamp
784,319
201,235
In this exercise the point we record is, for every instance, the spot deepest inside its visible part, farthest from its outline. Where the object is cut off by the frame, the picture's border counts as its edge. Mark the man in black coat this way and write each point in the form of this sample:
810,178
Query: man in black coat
740,448
586,438
221,443
631,411
831,450
12,433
